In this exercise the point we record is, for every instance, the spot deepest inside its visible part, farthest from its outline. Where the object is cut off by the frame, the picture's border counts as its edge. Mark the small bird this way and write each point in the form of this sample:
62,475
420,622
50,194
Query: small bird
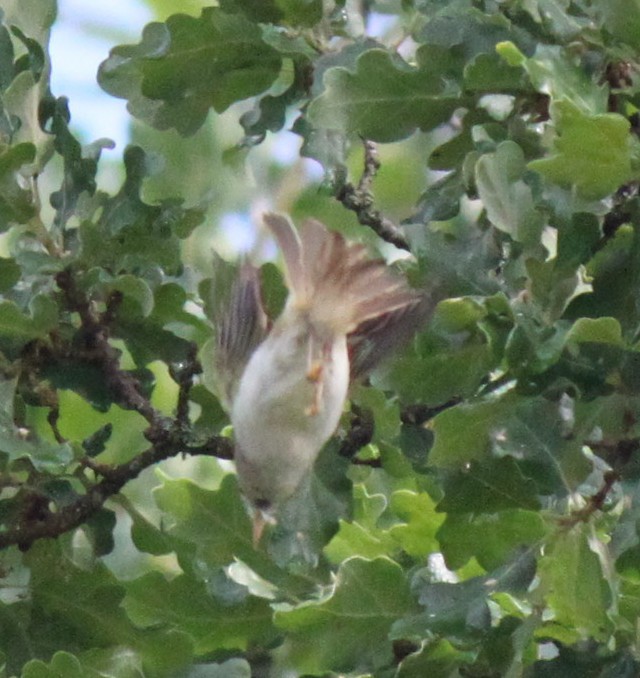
286,385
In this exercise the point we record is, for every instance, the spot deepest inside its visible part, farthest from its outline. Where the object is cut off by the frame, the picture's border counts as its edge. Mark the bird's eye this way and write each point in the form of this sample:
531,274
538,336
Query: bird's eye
262,504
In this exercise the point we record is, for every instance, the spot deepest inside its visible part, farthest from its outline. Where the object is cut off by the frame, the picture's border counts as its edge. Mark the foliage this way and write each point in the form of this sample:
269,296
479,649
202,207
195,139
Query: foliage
476,512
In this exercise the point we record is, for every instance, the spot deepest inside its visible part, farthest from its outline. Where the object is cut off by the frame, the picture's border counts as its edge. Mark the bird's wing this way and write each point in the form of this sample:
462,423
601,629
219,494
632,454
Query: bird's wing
241,325
334,281
375,339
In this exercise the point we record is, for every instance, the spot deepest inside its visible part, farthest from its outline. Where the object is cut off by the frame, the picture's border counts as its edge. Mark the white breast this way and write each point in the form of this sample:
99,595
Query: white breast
277,438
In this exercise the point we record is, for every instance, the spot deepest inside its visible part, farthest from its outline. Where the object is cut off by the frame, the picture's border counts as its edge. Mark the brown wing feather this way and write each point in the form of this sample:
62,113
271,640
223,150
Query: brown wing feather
241,325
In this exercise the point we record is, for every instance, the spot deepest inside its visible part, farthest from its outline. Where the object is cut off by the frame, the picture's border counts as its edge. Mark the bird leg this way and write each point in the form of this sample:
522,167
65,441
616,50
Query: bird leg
315,374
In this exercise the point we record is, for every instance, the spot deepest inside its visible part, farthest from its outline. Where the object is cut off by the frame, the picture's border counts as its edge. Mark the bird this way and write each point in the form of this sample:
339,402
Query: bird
285,383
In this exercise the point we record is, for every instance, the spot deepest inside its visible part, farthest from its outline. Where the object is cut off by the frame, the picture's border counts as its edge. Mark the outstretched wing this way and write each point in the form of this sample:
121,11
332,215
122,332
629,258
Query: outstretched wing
375,339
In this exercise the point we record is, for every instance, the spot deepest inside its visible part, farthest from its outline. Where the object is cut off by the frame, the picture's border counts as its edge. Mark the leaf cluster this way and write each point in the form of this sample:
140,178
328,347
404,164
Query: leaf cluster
476,513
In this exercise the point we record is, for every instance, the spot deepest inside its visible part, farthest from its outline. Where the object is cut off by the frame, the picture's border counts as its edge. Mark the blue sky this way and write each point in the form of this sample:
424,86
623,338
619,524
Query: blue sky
86,29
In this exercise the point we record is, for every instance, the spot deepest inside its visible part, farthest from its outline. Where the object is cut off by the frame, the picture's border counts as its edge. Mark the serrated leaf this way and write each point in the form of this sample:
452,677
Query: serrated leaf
186,66
385,99
62,664
361,537
418,535
142,237
596,168
386,412
349,626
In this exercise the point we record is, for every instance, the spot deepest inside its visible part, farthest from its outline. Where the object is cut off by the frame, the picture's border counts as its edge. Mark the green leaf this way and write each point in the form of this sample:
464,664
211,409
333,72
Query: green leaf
553,15
443,373
417,536
555,72
305,13
437,659
495,485
100,527
184,604
385,99
621,18
79,164
186,66
62,664
461,609
576,582
348,627
599,330
361,537
506,197
614,290
216,521
141,237
16,202
462,432
594,169
114,662
232,668
9,274
65,599
488,537
34,17
386,413
490,73
17,328
441,201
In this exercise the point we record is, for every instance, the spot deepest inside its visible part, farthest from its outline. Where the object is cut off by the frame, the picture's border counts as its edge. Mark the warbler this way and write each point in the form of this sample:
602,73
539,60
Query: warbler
286,384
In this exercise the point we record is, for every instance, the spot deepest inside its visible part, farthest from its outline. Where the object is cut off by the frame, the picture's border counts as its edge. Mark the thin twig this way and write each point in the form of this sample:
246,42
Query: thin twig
359,199
594,503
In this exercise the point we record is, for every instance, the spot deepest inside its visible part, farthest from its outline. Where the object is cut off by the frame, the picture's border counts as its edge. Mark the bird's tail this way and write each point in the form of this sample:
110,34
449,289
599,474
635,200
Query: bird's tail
334,281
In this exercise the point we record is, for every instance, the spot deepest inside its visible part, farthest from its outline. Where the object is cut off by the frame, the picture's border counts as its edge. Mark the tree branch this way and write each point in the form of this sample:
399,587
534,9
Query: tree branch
121,384
48,524
359,199
168,436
